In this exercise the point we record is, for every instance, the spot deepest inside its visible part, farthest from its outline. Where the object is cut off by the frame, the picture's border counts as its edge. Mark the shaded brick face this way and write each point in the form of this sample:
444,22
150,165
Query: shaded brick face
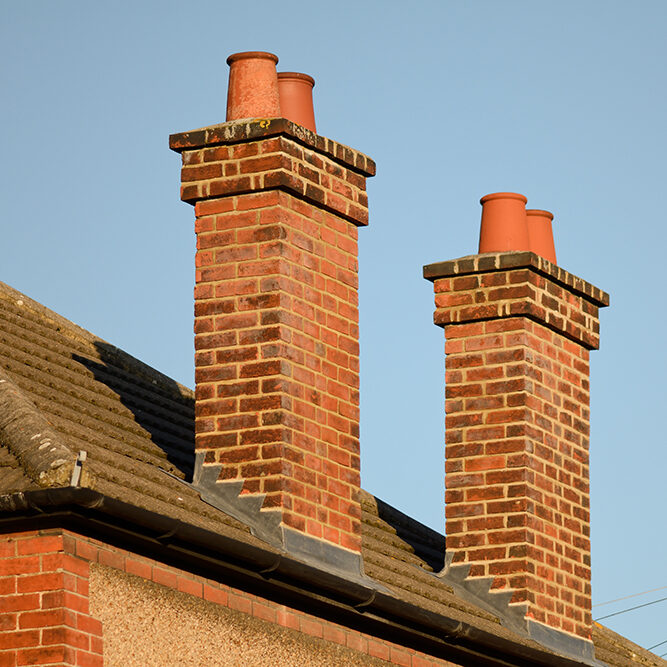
517,437
276,327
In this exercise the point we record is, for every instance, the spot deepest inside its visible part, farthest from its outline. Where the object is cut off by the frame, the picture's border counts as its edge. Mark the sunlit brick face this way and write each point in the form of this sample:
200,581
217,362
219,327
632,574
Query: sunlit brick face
277,326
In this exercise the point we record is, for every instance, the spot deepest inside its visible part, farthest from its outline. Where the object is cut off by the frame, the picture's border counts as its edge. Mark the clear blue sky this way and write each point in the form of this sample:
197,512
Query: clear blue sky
562,101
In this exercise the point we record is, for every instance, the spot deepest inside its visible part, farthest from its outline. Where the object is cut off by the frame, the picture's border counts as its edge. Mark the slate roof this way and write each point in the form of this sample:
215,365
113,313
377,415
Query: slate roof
63,390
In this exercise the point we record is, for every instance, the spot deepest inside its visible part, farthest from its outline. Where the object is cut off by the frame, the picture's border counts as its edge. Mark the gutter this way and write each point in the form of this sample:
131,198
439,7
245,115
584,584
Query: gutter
272,573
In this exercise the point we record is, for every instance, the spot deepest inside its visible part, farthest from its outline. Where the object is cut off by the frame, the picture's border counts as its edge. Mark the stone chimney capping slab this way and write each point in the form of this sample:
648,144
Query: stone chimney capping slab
245,130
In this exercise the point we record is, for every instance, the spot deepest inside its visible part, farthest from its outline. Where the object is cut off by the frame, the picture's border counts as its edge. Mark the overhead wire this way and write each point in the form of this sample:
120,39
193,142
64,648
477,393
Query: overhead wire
623,611
650,648
634,595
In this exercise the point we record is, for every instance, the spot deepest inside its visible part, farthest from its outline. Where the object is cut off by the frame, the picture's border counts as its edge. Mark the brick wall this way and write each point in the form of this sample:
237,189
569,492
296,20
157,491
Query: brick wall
44,613
276,317
44,603
518,334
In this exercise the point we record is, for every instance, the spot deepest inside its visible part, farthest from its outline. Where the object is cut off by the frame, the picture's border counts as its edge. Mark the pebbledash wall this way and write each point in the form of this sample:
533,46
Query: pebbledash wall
69,599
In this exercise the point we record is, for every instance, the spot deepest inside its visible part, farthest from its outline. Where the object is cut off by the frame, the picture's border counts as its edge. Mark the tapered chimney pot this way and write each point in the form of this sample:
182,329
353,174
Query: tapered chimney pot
503,227
540,233
253,86
296,98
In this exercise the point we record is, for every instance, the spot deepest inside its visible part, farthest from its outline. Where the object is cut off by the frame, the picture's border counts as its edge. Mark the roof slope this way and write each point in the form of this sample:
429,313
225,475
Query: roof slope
62,391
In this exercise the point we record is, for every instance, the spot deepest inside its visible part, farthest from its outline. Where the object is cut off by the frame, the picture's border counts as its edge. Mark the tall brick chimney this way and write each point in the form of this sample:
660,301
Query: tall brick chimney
276,323
518,332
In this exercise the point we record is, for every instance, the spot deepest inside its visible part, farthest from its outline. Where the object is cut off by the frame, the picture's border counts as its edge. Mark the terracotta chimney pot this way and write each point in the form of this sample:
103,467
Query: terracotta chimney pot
540,233
253,86
503,226
296,98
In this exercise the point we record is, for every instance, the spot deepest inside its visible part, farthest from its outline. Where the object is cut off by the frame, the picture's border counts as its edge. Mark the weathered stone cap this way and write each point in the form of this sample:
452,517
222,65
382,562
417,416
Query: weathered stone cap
490,262
259,128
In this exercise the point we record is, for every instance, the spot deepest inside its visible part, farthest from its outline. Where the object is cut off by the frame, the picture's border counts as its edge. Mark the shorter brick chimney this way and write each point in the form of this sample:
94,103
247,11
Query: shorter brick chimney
518,332
276,326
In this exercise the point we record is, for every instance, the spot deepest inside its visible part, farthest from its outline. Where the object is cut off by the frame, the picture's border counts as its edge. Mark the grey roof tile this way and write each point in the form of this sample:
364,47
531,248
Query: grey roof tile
137,427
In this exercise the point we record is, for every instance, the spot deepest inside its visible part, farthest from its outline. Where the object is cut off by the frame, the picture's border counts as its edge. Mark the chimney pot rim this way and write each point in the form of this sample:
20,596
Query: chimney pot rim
503,195
299,76
540,212
252,55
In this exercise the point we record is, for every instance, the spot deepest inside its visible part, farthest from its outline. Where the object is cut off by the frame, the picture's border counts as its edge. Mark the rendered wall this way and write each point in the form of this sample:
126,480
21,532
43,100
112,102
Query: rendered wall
151,625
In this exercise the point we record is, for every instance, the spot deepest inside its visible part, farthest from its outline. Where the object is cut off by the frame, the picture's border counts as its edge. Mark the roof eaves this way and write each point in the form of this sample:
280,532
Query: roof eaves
275,571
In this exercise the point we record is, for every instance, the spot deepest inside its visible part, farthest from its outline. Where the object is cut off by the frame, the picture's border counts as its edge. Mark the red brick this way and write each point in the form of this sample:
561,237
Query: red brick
25,565
165,577
333,633
87,551
40,582
137,567
219,596
186,585
65,599
357,642
485,463
311,627
67,636
19,639
111,559
41,619
40,545
8,659
89,625
20,602
7,548
400,656
8,622
96,645
84,659
238,602
377,649
46,655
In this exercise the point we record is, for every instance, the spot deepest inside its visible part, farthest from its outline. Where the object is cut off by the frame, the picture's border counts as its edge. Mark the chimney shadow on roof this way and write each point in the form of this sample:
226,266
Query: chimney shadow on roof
159,406
426,543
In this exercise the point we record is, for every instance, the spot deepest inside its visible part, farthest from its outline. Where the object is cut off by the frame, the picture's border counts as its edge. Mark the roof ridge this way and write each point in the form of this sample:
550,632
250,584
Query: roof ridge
40,450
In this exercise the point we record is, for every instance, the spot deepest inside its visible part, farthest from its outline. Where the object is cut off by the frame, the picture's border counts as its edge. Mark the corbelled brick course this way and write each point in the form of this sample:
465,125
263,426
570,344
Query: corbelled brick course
518,333
247,156
276,317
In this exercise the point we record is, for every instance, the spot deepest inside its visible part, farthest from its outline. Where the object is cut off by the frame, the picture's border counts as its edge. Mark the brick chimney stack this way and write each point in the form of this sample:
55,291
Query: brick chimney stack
276,322
518,332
